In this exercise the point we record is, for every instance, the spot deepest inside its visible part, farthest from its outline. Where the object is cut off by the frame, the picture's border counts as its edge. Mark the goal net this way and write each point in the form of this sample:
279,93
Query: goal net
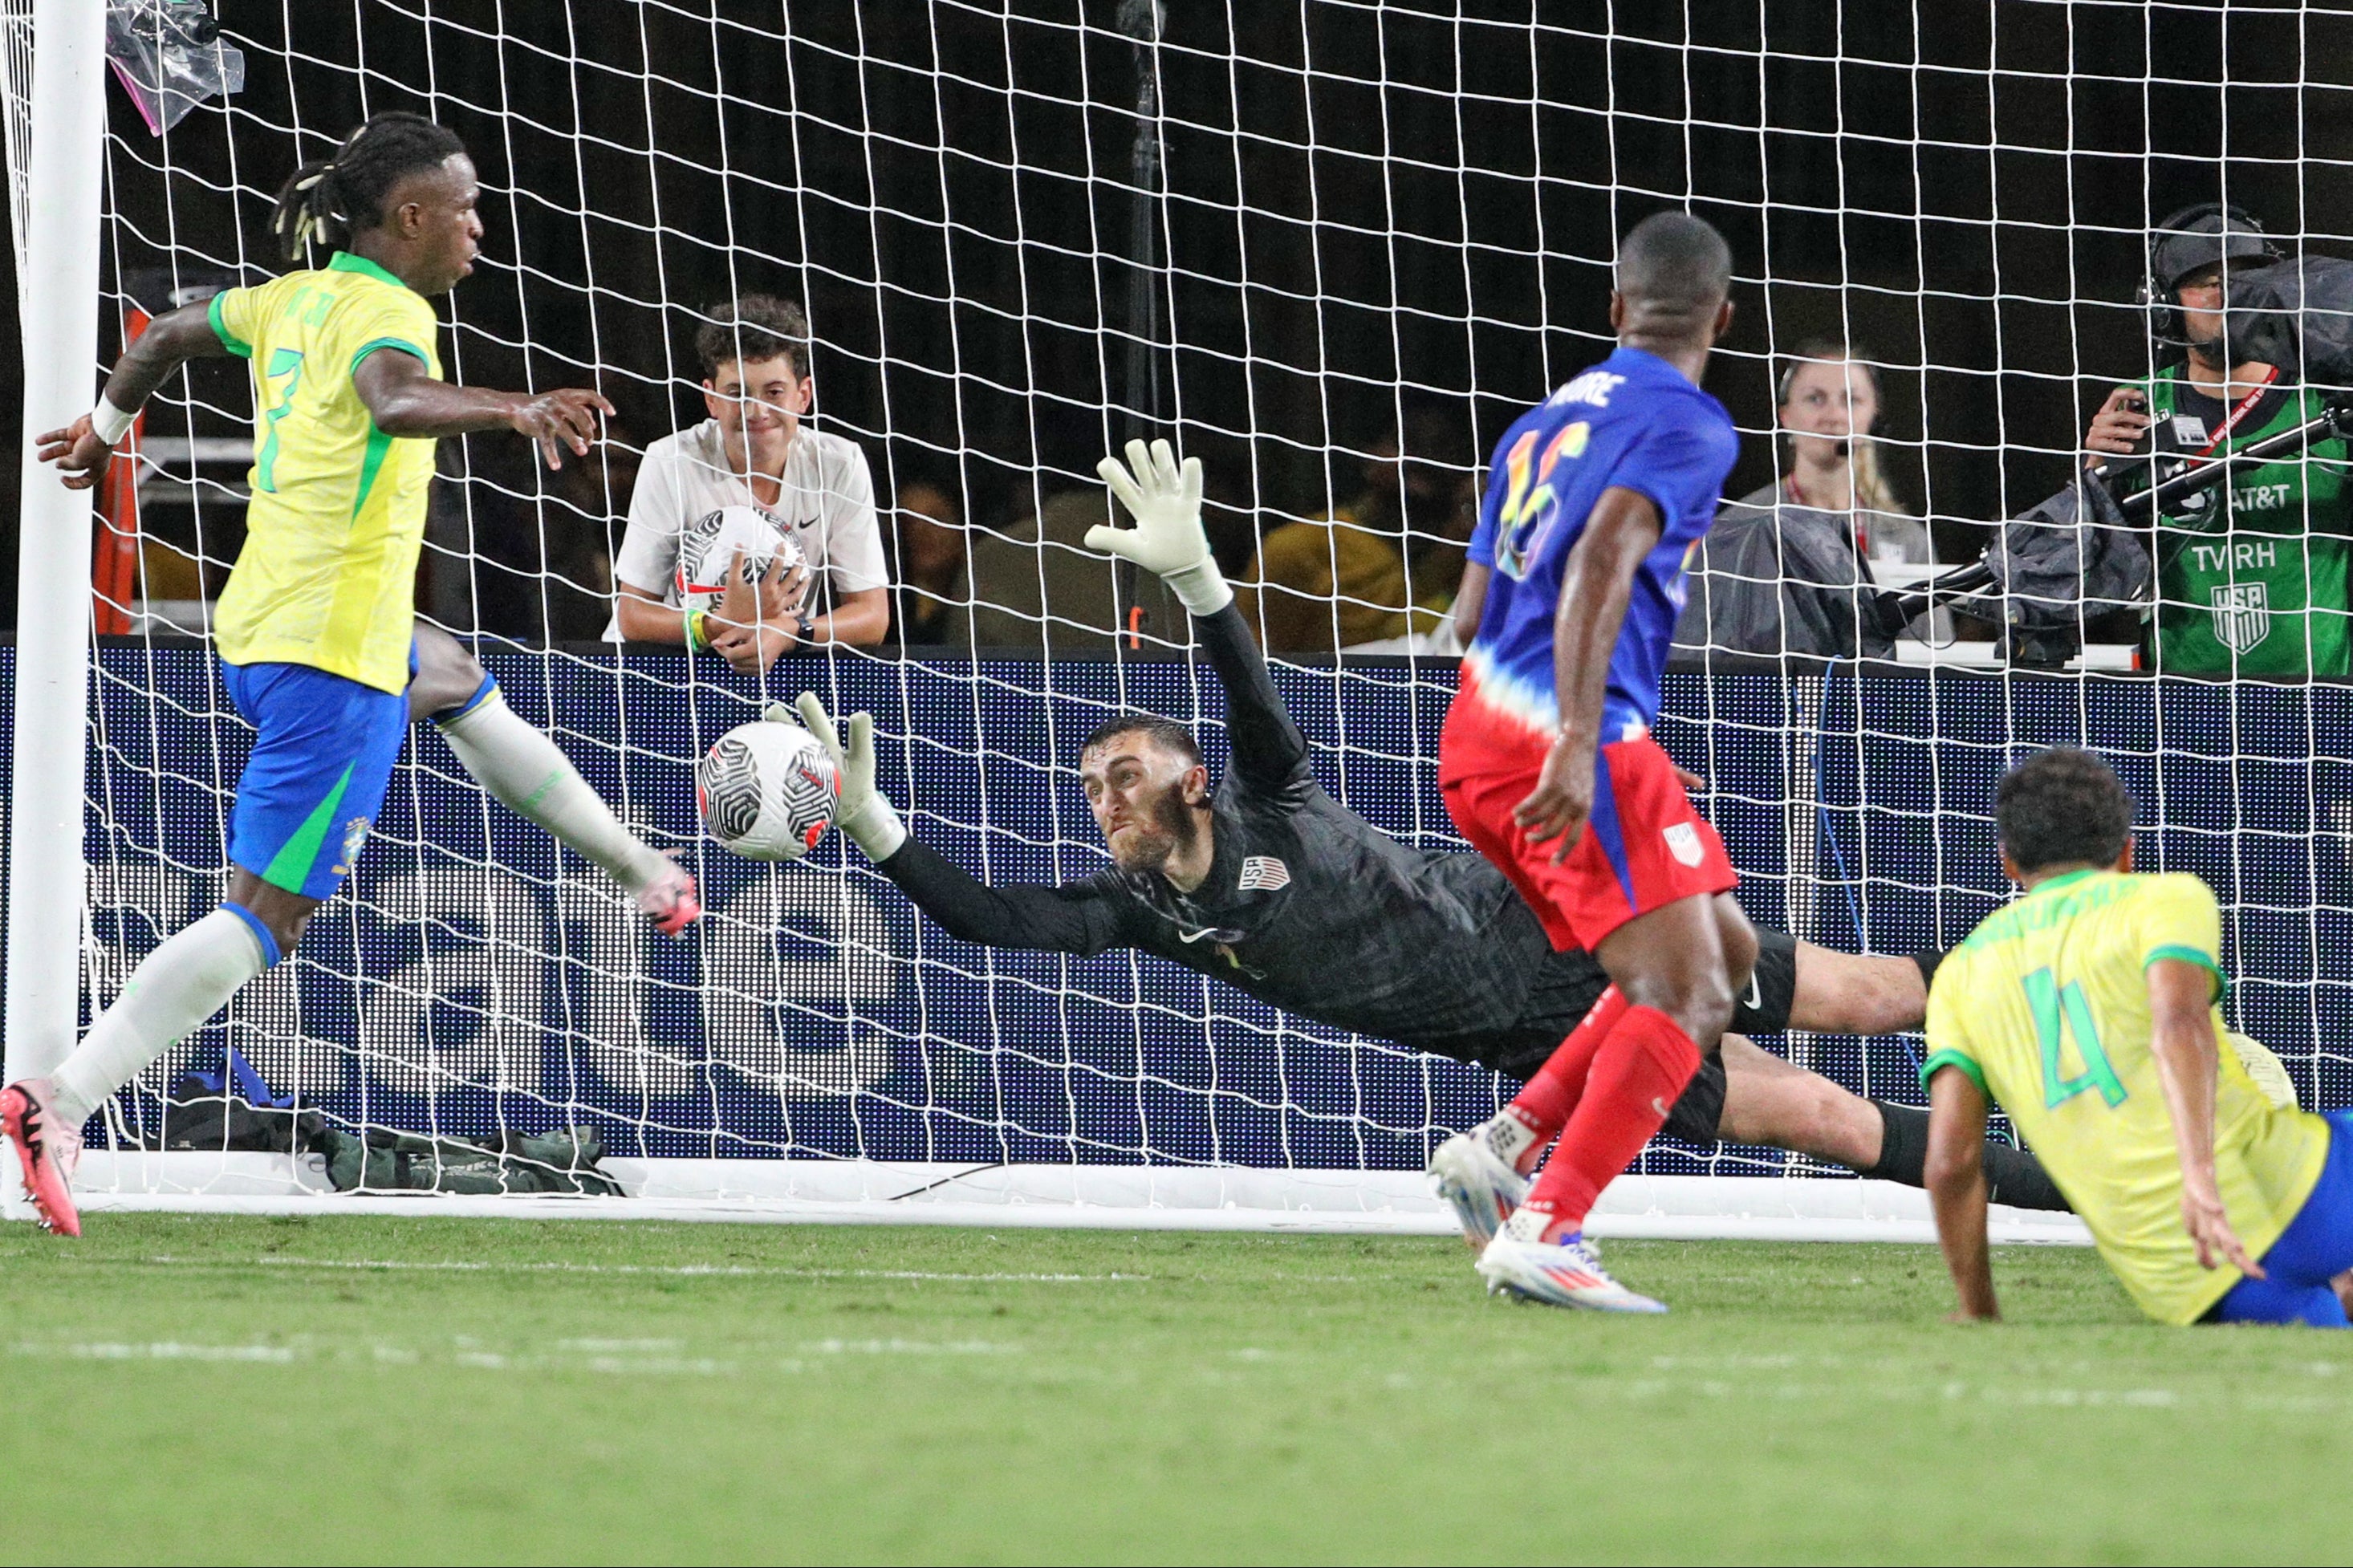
1331,249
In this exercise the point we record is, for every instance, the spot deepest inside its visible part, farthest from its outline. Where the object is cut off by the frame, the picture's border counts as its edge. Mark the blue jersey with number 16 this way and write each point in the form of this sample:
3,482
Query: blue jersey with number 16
1633,422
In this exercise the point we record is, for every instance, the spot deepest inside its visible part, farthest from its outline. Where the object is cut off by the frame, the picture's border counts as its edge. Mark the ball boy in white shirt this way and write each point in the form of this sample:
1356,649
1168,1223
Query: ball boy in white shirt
753,451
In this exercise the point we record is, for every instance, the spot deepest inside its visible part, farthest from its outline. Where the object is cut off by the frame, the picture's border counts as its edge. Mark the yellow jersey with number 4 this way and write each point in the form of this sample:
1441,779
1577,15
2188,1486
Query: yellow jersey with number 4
327,574
2046,1006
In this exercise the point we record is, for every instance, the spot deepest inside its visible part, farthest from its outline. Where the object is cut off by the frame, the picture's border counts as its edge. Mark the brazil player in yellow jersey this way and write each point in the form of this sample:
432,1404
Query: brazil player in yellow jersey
318,640
2088,1009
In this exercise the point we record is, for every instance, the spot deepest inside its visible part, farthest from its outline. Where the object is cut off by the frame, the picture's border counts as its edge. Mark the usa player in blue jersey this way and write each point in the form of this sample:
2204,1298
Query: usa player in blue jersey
1595,501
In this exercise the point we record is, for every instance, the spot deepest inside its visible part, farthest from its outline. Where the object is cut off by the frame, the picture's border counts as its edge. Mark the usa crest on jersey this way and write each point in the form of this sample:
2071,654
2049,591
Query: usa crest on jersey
1262,874
2242,614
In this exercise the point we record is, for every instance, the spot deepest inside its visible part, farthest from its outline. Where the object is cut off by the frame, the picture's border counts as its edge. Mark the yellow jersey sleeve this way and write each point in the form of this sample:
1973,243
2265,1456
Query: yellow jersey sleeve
2177,917
385,319
231,313
1948,1025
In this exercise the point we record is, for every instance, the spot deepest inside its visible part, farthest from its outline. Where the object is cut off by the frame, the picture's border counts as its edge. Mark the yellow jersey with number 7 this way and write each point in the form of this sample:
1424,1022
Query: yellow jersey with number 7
327,574
2046,1006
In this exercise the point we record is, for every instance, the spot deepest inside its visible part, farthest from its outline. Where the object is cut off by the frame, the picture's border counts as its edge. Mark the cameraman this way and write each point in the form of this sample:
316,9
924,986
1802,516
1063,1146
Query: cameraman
2256,579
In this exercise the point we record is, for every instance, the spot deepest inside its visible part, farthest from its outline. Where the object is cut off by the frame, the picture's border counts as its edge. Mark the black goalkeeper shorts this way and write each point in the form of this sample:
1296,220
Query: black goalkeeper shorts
1572,981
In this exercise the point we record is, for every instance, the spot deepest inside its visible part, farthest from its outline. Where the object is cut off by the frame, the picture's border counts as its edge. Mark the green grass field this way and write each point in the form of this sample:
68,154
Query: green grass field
367,1389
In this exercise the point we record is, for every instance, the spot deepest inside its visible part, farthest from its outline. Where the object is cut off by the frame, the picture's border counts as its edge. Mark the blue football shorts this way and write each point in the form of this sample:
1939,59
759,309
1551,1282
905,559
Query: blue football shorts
316,779
2315,1247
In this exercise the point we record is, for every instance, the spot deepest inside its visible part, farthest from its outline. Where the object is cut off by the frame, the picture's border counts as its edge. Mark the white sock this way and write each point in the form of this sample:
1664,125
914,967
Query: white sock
174,989
526,771
1514,1142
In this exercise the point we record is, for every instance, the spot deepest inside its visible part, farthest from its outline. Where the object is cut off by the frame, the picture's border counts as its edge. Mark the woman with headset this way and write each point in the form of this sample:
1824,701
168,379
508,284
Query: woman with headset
2254,581
1787,569
1830,409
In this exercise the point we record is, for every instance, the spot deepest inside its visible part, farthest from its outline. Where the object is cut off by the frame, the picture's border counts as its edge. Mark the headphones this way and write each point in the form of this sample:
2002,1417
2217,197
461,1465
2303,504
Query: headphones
2158,281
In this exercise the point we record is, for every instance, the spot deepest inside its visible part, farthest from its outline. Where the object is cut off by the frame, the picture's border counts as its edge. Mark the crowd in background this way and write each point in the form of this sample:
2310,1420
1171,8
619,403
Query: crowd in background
1372,565
959,569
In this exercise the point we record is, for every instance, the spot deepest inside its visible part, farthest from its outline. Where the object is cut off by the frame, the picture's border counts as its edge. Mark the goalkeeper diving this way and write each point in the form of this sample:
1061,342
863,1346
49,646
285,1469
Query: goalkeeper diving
1268,884
318,640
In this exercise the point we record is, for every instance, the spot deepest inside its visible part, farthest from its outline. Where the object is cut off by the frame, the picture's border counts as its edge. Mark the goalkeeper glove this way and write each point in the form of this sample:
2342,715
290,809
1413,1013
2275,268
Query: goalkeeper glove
864,815
1168,538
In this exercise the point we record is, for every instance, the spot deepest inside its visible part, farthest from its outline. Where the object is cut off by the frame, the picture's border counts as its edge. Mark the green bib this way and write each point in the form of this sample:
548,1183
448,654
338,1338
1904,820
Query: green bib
2263,585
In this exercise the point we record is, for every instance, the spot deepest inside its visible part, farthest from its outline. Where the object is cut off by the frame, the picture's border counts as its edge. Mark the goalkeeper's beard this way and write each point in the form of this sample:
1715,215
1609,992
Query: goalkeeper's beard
1170,830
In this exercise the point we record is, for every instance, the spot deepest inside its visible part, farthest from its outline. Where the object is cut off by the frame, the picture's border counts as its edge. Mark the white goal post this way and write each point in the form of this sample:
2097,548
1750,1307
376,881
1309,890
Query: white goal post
56,143
1331,253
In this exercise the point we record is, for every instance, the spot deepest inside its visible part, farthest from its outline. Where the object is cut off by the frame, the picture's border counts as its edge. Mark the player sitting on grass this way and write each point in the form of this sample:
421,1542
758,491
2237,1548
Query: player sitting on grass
1268,884
319,645
1547,762
2088,1009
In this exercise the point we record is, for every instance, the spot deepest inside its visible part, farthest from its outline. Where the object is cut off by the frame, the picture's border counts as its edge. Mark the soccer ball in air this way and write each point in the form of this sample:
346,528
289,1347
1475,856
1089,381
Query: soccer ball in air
711,542
768,790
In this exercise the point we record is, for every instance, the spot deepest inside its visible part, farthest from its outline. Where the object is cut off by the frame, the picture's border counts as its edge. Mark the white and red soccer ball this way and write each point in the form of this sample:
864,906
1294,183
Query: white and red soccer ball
707,544
768,790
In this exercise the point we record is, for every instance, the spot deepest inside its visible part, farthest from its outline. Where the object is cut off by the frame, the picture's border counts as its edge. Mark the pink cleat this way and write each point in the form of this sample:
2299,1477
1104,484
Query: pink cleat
670,901
47,1150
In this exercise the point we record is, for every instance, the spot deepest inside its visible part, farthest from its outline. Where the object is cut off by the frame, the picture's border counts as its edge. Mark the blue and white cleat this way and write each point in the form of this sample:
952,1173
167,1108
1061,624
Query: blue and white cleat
1565,1273
1478,1182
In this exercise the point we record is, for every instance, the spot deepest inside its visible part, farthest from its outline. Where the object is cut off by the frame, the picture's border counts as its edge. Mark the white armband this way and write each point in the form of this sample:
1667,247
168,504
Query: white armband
110,422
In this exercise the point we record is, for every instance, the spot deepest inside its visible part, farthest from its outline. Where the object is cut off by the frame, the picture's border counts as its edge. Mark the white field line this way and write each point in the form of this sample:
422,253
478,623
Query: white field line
160,1350
657,1357
906,1347
620,1357
689,1270
668,1358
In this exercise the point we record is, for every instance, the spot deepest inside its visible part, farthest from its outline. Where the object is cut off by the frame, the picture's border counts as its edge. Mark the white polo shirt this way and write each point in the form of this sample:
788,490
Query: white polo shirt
826,503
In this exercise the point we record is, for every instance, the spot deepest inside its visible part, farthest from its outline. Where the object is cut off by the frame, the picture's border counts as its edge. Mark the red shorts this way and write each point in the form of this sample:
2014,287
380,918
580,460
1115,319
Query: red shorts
1643,847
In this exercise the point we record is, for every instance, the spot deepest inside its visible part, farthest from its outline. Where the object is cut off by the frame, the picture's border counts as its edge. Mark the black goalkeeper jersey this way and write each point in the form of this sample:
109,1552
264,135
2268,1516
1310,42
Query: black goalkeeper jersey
1307,906
1310,908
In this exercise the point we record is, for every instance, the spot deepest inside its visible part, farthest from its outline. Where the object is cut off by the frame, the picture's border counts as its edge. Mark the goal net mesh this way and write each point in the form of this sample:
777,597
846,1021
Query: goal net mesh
1332,251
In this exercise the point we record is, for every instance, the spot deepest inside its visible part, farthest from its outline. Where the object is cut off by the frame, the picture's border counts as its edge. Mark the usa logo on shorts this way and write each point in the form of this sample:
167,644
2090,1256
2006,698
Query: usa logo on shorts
1262,874
1683,843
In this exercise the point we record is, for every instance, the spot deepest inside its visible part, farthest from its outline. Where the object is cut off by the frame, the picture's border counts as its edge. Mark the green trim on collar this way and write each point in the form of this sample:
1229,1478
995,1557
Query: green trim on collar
344,261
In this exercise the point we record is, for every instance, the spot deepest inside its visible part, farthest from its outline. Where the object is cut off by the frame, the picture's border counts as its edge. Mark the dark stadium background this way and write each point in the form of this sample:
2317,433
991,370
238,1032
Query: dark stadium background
1868,163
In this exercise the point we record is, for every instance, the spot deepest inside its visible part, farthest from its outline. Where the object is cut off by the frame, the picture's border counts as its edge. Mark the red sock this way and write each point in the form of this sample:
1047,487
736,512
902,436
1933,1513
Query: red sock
1636,1077
1546,1102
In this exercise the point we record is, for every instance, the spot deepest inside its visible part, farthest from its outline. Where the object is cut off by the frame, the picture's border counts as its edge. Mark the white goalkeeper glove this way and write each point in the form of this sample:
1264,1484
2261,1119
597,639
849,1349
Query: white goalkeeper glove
865,815
1168,538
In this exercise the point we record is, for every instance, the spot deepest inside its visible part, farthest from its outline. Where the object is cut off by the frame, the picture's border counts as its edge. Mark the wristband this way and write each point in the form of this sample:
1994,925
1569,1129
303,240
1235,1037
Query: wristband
109,423
696,639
